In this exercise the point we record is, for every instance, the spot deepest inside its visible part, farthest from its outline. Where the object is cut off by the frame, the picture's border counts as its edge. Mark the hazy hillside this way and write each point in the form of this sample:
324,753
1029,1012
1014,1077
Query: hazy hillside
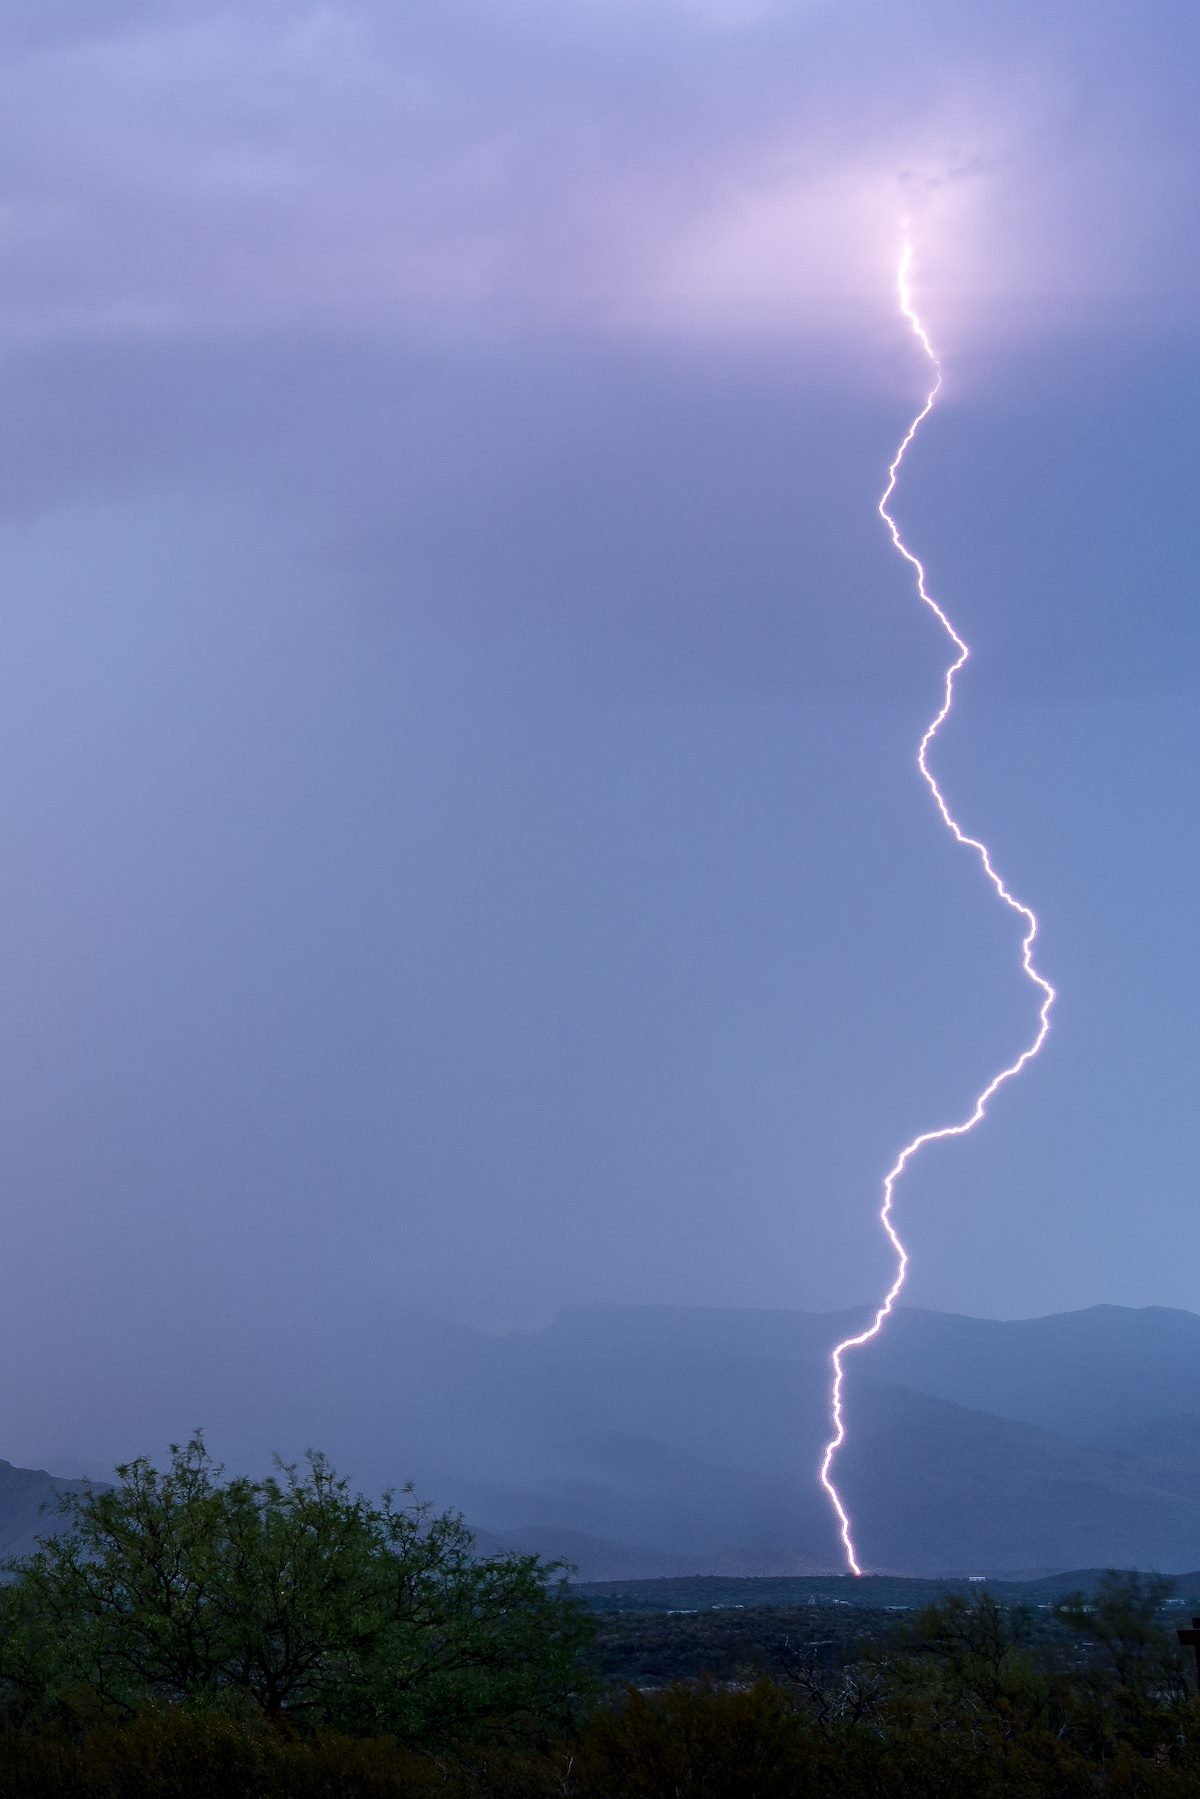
643,1440
1040,1444
27,1506
1085,1374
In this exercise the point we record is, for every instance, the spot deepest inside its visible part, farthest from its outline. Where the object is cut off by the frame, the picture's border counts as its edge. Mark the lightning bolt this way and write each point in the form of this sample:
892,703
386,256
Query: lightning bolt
1024,912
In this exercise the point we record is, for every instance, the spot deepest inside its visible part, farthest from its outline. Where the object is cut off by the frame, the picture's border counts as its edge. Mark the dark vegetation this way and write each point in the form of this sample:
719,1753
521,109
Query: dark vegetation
183,1635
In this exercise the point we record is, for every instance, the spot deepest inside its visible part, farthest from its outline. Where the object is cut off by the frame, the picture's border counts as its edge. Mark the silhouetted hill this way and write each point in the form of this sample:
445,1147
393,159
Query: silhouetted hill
28,1506
871,1592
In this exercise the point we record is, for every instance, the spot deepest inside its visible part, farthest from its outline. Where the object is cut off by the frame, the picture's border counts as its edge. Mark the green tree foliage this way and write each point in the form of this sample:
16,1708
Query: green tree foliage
1098,1705
1123,1618
1136,1676
290,1599
974,1659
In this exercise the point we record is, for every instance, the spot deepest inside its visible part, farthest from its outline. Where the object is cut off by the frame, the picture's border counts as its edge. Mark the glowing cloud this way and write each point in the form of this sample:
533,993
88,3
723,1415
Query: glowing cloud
961,654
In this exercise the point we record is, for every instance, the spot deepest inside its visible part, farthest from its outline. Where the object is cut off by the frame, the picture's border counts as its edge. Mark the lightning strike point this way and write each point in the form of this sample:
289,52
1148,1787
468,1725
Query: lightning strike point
1024,912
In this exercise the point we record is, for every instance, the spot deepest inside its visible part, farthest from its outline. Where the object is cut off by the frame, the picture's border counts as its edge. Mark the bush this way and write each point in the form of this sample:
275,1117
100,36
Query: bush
289,1599
683,1743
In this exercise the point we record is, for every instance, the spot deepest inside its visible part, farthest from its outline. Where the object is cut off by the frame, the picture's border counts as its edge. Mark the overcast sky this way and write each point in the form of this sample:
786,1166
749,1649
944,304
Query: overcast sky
460,842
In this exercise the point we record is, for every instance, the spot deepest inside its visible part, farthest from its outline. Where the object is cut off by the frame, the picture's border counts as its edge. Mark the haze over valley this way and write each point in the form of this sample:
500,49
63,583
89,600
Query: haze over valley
641,1440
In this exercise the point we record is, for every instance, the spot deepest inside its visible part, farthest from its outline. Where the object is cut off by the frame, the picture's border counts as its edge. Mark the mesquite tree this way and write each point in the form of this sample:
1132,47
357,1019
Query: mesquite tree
289,1597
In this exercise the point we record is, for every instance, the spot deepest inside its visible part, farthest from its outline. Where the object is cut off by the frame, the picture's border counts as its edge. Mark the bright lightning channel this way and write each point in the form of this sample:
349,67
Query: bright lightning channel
961,655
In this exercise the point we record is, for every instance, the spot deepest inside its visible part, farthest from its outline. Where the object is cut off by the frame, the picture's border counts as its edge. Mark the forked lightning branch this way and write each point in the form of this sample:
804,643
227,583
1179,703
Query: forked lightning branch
1024,912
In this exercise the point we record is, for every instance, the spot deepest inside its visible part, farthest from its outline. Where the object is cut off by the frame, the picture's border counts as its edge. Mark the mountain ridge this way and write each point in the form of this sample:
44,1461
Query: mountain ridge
691,1435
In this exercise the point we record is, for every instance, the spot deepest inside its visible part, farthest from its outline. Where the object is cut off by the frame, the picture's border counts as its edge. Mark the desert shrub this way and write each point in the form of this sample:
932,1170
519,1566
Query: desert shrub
178,1754
1134,1689
682,1743
290,1599
709,1743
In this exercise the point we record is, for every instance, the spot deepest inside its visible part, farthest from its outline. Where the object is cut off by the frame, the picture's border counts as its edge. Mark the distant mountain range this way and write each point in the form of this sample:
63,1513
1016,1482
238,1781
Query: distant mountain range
638,1441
